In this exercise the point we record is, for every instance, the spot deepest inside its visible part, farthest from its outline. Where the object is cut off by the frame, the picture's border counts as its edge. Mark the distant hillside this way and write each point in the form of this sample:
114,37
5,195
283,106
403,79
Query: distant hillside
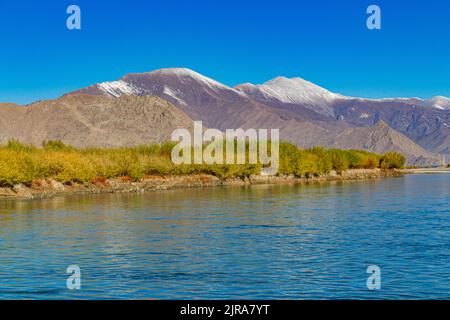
381,138
84,120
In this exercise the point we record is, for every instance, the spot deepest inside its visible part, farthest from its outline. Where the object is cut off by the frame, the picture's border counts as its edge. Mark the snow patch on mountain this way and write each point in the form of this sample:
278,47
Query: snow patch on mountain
294,91
439,102
174,94
183,73
118,88
297,90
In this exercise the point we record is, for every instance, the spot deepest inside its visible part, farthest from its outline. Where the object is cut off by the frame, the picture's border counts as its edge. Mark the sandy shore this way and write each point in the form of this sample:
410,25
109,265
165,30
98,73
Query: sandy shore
41,189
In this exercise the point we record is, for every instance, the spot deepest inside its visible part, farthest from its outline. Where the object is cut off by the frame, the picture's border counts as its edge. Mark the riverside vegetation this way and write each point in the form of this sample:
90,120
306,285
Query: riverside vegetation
23,164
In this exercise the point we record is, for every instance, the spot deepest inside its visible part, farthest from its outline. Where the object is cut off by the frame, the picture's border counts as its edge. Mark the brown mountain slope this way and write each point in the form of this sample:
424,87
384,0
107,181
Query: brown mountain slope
84,120
381,138
10,117
426,125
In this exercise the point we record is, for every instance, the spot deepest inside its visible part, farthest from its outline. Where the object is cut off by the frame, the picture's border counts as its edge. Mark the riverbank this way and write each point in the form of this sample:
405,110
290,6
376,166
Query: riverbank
425,170
47,188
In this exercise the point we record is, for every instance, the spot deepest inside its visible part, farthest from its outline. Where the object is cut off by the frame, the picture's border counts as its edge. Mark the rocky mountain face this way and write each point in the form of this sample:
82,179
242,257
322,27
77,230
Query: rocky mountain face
86,120
381,138
127,111
202,98
428,126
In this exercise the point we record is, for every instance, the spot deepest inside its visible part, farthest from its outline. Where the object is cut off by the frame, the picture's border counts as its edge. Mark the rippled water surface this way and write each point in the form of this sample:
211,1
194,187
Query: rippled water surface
259,242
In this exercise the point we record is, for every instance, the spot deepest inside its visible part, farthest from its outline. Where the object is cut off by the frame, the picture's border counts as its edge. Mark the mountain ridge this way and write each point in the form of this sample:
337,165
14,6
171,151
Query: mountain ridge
305,113
440,102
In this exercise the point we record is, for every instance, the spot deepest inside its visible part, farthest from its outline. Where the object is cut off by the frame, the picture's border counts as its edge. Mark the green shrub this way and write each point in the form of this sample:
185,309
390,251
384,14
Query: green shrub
392,160
323,159
307,165
17,167
155,165
15,145
66,167
359,159
124,162
20,163
55,145
289,155
339,160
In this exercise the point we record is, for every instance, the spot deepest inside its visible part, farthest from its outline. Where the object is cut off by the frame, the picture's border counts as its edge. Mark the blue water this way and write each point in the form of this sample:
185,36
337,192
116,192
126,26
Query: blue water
259,242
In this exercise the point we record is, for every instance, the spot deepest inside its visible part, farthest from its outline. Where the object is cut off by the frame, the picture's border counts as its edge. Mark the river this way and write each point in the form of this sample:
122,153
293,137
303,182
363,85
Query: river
259,242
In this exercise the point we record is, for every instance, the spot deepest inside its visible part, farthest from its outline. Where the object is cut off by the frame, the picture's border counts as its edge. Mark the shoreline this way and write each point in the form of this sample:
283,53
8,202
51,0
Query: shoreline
424,170
48,188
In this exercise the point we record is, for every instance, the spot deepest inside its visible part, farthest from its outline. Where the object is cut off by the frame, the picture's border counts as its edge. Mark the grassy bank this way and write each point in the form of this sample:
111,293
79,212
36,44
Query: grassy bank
22,164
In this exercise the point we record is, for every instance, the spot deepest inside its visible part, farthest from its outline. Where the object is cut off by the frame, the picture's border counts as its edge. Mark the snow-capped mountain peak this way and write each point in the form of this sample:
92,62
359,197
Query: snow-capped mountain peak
174,83
439,102
297,90
188,73
293,91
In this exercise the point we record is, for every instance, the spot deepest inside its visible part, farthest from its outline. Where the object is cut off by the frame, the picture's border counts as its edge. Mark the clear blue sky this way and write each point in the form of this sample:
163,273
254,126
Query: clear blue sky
233,41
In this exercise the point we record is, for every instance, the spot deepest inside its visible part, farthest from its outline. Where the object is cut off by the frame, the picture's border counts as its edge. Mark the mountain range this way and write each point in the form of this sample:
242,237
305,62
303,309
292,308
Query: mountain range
146,107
